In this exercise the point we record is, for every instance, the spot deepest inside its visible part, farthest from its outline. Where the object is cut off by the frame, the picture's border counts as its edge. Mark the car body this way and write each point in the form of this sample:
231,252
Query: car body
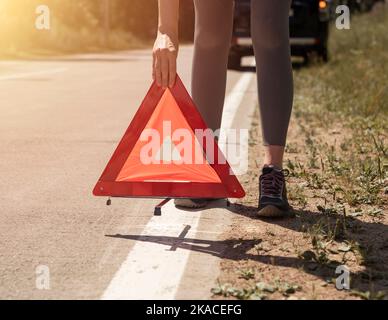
360,5
309,29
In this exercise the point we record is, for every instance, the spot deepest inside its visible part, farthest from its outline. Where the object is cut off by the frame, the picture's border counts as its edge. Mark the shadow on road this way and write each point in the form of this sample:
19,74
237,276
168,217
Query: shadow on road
375,252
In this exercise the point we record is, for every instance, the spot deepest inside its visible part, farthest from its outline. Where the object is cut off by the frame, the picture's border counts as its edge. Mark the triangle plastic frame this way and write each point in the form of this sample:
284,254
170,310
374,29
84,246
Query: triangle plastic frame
108,186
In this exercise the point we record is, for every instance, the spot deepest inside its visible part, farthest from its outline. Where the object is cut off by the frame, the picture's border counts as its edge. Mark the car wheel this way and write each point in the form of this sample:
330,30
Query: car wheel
306,59
234,61
324,36
324,55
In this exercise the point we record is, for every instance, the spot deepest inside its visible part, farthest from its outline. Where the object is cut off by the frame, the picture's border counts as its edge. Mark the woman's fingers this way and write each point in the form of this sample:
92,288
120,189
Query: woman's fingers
172,70
164,62
153,66
157,70
164,66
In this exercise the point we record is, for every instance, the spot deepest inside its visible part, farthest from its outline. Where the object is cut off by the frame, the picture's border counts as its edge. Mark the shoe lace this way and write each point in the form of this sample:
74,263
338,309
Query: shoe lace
271,183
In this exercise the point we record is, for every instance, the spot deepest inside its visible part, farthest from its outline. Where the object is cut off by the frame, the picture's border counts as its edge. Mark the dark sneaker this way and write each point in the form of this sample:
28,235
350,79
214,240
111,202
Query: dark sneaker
273,194
191,203
195,203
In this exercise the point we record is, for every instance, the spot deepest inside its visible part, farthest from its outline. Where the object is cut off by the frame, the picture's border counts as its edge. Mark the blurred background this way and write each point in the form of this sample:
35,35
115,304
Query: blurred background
83,25
96,25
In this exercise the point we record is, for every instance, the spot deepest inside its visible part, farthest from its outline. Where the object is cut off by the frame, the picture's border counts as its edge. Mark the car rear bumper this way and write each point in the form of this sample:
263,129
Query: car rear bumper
243,46
309,41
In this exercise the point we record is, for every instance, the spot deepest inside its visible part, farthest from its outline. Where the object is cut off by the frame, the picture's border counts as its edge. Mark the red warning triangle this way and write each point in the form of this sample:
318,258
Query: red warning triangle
161,155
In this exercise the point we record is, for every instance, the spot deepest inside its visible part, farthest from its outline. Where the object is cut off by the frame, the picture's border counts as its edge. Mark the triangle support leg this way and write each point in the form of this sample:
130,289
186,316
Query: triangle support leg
158,208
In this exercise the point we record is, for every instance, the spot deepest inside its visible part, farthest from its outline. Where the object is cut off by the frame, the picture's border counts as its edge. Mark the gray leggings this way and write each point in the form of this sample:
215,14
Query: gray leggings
270,35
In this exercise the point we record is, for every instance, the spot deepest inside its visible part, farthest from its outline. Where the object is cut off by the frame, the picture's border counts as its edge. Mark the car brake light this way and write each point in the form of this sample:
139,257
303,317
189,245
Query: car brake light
322,4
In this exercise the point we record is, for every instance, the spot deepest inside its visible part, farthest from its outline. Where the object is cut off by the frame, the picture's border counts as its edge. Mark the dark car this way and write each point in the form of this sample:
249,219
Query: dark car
361,5
309,29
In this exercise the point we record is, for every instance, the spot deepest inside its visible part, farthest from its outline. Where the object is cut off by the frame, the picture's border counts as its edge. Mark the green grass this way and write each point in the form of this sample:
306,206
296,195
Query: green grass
337,182
348,94
259,291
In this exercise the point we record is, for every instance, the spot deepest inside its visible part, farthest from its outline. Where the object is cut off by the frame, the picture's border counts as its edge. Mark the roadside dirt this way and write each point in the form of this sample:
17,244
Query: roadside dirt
296,258
337,158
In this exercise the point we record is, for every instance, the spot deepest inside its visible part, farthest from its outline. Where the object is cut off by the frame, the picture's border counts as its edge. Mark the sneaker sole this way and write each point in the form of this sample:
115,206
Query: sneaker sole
187,203
270,211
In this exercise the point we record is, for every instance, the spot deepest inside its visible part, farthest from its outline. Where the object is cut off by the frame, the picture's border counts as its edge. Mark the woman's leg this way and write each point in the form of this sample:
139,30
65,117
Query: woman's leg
213,32
270,35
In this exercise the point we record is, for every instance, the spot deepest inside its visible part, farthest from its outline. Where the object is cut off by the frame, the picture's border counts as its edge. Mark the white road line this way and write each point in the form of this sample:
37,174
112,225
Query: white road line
31,74
231,106
234,99
151,270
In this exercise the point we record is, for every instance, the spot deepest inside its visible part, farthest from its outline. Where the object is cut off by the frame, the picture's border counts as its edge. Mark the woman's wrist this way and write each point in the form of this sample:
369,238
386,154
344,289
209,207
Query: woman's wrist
169,19
169,32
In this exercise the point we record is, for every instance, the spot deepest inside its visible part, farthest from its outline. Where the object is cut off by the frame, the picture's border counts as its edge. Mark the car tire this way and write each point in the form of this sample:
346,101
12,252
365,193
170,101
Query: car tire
324,37
234,61
324,54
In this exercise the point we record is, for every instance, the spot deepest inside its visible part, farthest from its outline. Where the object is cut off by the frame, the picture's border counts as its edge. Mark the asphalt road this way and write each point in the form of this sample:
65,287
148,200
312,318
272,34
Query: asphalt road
60,122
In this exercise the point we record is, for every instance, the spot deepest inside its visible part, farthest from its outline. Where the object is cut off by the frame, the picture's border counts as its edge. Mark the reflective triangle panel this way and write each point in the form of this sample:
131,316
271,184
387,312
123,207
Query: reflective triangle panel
160,154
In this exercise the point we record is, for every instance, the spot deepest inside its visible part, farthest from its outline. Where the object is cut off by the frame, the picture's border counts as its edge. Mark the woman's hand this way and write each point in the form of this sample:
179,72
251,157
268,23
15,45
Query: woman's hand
165,54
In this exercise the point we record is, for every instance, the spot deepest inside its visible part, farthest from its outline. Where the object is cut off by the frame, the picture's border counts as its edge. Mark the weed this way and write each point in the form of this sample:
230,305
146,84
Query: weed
368,295
247,274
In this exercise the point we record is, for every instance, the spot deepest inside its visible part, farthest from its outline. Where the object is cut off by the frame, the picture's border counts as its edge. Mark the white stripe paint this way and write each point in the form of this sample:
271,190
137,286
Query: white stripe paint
151,270
232,105
234,99
31,74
